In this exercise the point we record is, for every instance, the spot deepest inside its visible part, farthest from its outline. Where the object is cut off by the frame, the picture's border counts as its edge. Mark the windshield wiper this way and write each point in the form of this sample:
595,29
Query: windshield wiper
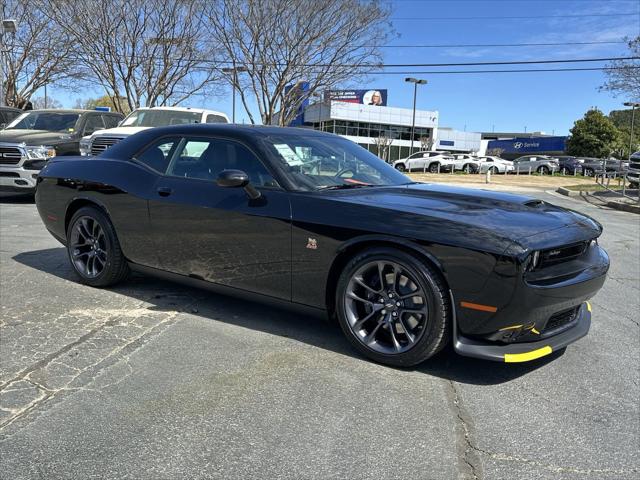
345,186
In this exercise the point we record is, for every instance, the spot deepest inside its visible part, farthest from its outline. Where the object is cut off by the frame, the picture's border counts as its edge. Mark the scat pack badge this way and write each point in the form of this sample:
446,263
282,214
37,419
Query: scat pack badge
312,244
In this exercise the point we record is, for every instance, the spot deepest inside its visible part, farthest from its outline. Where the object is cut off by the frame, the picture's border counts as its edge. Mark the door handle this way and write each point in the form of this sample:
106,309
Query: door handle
164,191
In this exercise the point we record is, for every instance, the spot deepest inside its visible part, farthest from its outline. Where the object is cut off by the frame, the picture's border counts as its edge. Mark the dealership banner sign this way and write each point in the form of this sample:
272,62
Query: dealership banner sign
363,97
525,145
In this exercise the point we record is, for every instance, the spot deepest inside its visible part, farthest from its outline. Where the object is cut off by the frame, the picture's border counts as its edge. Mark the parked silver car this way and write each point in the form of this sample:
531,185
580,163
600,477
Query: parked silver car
536,164
495,164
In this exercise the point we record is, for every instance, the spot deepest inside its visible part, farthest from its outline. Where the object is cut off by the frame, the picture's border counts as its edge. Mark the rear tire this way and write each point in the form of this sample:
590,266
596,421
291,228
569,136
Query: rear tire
94,250
392,307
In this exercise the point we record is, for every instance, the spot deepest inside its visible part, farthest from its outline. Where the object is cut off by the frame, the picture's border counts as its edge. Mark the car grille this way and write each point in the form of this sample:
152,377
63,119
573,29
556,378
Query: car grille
10,155
100,144
10,174
554,256
561,320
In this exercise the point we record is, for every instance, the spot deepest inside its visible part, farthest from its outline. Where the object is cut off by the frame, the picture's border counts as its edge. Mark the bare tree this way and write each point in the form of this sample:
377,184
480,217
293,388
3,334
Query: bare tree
38,103
40,53
282,43
142,52
495,152
426,142
623,76
383,142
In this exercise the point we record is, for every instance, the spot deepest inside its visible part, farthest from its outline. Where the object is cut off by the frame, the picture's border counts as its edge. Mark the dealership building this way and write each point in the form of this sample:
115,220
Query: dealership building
356,115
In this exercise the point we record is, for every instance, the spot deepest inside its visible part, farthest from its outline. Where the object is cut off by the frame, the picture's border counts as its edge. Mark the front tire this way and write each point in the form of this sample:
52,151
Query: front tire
401,168
434,167
392,307
94,250
543,170
494,170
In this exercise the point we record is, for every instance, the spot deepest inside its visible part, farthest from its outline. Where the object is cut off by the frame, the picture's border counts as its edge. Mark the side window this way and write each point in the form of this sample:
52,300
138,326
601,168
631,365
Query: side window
158,154
211,118
94,122
206,158
110,121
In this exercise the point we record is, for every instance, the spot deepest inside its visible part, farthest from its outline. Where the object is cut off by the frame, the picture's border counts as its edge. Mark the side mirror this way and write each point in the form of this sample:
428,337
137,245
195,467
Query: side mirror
237,178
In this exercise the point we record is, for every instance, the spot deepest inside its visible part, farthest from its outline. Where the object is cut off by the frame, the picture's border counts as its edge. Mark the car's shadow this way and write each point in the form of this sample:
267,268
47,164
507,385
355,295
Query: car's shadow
17,199
276,321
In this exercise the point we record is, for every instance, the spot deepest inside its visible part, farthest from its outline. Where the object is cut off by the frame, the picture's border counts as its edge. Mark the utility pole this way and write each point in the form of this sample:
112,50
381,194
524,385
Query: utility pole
8,26
633,106
415,82
234,81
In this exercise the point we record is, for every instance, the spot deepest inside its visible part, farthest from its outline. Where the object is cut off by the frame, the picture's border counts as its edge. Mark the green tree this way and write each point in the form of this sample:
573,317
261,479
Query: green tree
594,135
622,120
104,101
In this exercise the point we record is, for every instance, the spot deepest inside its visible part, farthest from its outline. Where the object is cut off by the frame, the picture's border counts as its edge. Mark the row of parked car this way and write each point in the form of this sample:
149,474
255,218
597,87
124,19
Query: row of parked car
434,162
30,138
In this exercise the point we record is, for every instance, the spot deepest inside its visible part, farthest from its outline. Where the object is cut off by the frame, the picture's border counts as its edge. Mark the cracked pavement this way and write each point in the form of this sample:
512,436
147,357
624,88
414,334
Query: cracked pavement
153,380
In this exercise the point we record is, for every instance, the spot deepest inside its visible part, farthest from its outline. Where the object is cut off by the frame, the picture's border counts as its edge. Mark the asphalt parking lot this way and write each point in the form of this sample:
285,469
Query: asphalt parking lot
152,380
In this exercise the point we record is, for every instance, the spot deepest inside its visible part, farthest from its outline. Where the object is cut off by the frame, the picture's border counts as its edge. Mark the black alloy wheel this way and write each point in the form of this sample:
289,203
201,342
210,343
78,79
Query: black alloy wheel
93,248
393,307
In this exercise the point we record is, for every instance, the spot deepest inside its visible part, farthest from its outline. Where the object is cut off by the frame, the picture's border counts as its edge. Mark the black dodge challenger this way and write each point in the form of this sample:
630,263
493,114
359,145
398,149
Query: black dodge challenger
314,220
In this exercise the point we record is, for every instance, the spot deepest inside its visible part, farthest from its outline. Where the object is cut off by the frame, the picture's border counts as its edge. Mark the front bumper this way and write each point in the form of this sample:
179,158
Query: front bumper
525,351
17,179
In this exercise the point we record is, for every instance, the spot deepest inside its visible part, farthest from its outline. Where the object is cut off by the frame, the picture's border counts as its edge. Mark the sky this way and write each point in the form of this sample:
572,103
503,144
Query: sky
544,101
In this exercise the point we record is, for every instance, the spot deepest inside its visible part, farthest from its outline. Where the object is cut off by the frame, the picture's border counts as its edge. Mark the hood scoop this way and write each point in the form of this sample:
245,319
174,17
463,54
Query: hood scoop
534,203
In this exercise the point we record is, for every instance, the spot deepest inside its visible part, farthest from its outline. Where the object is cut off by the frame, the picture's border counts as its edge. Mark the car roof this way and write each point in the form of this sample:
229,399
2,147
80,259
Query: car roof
68,110
183,109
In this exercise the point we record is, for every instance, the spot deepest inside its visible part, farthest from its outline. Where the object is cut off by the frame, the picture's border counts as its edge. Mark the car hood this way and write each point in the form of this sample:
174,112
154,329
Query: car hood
526,221
34,137
119,131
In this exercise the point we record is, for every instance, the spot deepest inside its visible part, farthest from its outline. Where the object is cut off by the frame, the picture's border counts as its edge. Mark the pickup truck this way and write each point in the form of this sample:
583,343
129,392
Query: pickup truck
28,142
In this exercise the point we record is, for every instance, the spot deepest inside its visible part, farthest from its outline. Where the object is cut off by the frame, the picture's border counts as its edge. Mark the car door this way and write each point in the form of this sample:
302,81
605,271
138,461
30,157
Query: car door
416,161
218,233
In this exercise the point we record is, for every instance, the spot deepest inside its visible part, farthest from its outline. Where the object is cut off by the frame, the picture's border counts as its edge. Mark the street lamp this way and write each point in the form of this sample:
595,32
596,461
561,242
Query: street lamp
415,82
8,26
633,106
234,71
320,100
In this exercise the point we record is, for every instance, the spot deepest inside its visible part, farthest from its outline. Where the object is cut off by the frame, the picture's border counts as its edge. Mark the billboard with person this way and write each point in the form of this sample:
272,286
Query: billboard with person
363,97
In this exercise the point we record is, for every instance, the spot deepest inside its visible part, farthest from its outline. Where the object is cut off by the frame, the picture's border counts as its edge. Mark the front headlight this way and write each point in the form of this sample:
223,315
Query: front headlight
39,153
85,146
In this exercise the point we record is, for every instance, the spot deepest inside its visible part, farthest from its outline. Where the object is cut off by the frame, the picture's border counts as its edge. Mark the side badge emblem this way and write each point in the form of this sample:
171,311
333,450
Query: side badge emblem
312,244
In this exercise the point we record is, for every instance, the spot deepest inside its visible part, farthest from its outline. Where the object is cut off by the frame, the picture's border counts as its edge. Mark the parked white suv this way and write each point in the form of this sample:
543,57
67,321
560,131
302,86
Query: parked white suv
144,118
495,164
425,161
465,162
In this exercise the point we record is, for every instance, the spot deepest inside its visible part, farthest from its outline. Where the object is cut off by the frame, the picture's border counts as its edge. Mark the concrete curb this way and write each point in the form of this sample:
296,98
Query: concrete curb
625,207
574,193
616,205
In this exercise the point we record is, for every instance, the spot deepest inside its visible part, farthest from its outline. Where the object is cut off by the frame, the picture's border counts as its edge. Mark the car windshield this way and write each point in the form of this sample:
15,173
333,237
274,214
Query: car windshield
49,121
160,118
324,162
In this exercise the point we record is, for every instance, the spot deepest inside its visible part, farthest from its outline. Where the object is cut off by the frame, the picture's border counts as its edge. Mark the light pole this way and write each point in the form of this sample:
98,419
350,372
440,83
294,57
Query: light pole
633,106
8,26
318,95
234,80
415,82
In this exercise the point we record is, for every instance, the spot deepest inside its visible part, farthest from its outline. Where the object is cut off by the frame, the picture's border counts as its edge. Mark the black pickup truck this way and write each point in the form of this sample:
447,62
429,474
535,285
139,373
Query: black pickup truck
32,138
